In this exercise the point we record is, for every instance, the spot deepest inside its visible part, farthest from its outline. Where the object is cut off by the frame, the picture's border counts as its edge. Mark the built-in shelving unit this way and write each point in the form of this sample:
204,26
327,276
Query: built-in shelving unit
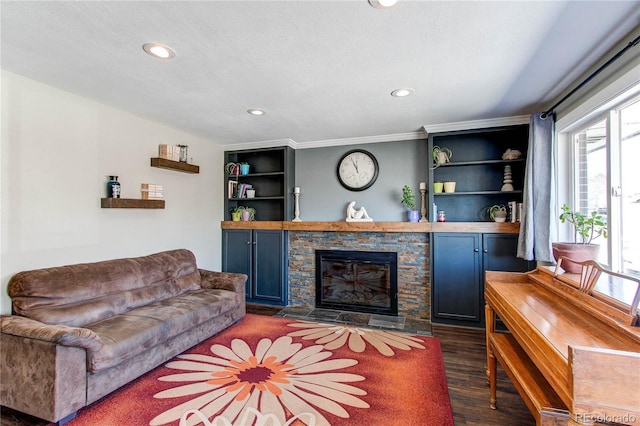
130,203
163,163
271,172
478,169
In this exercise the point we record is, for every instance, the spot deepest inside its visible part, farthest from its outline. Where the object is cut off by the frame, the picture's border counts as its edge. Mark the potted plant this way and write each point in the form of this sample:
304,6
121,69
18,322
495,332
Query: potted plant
586,228
409,201
232,168
236,213
441,155
247,213
497,213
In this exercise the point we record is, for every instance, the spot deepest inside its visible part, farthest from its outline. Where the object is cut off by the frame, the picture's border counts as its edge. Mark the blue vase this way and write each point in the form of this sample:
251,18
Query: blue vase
413,215
244,169
113,187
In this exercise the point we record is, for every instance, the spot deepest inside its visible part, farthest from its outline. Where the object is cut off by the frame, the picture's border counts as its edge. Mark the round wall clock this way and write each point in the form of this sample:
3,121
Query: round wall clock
357,170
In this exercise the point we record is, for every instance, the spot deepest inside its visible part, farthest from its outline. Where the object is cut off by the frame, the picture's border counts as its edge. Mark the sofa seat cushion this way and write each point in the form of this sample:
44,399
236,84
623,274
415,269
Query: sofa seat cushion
126,335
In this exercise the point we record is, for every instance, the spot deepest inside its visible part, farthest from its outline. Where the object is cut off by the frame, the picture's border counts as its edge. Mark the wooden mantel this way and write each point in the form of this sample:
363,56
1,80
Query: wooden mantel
343,226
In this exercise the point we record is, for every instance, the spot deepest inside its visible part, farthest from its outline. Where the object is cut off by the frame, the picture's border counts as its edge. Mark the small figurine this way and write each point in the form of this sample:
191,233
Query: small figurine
511,154
357,215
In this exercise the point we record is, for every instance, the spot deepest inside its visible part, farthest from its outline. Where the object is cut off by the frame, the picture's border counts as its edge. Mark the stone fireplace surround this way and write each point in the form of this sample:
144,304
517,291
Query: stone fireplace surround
414,296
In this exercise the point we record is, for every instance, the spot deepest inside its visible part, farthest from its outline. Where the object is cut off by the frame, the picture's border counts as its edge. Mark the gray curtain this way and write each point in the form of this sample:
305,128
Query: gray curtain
534,241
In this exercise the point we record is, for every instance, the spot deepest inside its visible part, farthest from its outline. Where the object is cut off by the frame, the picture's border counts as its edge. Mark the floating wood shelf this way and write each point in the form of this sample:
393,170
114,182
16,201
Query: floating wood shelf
130,203
163,163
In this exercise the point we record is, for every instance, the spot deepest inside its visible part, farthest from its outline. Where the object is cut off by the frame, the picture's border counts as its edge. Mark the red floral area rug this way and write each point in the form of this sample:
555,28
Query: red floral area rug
270,371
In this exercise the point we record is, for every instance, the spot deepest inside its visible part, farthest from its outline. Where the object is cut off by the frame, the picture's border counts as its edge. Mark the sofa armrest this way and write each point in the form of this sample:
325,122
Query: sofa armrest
58,334
223,280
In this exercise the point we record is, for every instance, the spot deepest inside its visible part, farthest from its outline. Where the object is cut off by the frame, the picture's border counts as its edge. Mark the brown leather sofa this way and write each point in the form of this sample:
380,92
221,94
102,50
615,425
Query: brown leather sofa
79,332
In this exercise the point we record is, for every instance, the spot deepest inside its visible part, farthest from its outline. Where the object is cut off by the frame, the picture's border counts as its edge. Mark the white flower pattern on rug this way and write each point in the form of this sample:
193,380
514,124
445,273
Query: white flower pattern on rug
334,336
278,377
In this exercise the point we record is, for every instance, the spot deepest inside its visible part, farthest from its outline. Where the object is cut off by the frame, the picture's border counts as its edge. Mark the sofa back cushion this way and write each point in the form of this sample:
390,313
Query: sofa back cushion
78,295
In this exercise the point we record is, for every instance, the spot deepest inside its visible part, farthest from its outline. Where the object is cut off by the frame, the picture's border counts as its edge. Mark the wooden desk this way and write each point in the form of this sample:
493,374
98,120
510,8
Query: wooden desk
571,351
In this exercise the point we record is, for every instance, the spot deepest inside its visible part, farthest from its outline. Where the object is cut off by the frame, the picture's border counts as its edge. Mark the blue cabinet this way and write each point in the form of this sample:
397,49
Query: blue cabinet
261,254
457,274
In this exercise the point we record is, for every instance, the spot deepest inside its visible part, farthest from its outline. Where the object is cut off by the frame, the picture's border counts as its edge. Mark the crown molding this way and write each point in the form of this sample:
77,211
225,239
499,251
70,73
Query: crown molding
435,128
476,124
361,140
260,144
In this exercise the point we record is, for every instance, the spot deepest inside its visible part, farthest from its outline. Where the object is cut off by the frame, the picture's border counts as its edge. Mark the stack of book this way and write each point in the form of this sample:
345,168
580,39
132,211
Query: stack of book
515,211
169,152
238,190
151,191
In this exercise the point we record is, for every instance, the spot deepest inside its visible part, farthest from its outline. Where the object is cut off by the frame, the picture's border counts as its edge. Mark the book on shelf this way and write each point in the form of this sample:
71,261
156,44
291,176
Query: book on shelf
242,190
152,195
169,152
233,189
151,191
512,209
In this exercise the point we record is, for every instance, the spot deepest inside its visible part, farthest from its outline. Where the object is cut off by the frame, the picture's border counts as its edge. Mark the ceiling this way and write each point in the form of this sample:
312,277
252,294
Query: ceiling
322,70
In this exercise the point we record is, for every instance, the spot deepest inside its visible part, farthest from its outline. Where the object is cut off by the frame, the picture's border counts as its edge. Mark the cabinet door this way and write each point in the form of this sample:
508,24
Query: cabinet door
236,253
457,285
269,265
499,254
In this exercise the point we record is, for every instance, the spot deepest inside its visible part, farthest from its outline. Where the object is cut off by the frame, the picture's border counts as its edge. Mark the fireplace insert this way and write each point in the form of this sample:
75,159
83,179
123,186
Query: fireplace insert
360,281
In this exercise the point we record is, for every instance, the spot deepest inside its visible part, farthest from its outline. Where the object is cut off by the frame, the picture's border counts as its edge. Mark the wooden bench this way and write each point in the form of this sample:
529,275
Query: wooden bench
534,389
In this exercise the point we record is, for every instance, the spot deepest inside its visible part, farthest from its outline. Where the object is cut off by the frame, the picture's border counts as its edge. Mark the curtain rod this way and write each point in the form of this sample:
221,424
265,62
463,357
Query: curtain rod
595,73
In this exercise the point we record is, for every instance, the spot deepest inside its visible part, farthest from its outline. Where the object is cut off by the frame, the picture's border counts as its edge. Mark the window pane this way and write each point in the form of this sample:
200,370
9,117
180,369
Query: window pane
630,153
592,193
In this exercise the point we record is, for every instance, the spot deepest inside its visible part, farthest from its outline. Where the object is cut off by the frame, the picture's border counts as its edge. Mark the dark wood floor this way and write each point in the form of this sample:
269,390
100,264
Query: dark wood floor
464,356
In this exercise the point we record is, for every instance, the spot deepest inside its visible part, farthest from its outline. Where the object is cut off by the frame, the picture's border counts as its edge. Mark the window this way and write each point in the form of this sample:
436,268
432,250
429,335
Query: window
606,180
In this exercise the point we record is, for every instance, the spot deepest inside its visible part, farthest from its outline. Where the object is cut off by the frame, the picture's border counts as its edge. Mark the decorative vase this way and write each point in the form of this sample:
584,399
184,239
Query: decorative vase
577,252
113,187
244,169
183,153
235,216
413,215
251,193
449,187
499,216
437,187
246,216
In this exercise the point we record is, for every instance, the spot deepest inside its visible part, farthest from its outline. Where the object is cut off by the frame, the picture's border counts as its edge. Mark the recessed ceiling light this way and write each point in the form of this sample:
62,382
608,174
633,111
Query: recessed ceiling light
256,111
401,93
382,4
159,50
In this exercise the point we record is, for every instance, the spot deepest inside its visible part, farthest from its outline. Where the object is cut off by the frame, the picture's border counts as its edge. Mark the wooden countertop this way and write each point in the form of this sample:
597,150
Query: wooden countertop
343,226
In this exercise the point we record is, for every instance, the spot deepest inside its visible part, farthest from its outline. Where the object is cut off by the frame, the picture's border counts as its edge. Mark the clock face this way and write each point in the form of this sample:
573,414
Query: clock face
357,170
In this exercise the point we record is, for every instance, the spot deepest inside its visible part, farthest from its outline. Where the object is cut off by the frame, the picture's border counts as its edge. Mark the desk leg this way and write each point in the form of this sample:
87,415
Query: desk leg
490,318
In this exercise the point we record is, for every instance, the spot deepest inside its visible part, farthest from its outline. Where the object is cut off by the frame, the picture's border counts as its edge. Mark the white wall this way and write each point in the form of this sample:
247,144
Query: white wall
56,153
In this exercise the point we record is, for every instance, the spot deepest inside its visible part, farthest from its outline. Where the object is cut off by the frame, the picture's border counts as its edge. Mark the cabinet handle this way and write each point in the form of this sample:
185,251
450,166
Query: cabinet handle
254,243
248,242
476,250
485,250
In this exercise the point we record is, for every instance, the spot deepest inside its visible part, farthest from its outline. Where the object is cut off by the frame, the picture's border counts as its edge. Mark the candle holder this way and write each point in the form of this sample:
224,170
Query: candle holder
296,205
423,205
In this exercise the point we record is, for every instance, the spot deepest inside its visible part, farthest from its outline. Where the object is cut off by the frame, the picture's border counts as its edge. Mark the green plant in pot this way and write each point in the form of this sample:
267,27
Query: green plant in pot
236,213
497,212
247,213
409,201
441,155
586,228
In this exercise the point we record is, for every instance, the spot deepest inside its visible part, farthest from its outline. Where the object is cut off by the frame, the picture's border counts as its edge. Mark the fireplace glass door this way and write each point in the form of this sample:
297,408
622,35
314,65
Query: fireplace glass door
360,281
